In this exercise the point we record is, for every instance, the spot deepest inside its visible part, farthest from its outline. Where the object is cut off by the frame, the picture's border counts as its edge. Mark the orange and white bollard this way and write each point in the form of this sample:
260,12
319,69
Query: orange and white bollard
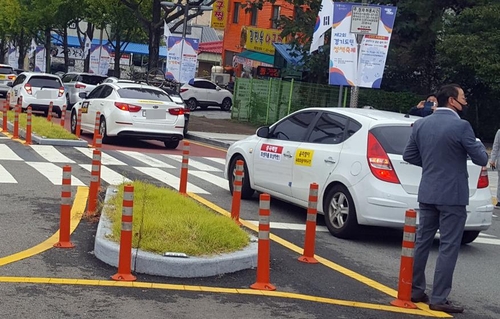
95,183
5,127
63,115
125,256
312,212
65,218
406,267
28,126
238,183
264,245
97,122
98,142
15,133
79,123
49,113
184,168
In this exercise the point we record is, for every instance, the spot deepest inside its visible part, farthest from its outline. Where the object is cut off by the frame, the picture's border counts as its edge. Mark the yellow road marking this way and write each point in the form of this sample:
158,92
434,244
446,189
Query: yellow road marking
76,215
363,279
278,294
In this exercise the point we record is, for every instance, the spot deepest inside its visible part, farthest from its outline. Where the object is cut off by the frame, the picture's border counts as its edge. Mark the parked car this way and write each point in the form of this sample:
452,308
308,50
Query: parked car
204,93
38,90
355,156
7,74
76,82
131,110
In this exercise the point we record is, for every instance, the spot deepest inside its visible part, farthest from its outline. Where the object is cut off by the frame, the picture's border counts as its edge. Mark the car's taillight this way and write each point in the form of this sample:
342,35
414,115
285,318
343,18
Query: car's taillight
128,107
483,180
176,111
27,87
80,86
11,77
61,91
379,162
183,90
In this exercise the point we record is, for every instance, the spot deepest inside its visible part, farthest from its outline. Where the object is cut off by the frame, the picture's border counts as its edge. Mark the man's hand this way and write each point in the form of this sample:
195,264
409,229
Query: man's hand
492,165
421,104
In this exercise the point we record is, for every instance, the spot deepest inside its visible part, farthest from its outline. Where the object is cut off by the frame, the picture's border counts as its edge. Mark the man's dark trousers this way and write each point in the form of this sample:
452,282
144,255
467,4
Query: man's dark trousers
450,220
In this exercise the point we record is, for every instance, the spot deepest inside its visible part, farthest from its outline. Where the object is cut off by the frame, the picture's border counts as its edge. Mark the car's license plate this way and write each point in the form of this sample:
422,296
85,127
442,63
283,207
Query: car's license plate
2,77
154,114
43,94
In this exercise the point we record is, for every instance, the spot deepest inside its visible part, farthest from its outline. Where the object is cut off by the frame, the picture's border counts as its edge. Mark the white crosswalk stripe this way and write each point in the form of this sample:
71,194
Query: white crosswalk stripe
6,177
108,175
217,160
216,180
51,154
169,179
105,158
194,163
148,160
7,154
53,173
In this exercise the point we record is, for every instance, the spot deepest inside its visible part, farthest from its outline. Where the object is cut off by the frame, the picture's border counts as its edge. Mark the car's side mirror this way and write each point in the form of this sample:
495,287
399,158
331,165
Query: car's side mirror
10,84
217,88
82,95
263,132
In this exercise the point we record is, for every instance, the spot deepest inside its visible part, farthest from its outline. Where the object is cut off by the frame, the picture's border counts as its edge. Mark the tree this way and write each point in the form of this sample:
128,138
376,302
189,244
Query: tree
9,17
149,14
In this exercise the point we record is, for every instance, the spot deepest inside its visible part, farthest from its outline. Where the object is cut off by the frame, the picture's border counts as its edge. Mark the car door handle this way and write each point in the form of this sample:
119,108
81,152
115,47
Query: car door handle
288,154
329,160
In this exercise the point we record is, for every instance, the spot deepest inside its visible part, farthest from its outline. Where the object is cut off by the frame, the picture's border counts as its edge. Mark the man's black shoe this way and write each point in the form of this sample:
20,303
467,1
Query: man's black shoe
447,307
424,298
497,205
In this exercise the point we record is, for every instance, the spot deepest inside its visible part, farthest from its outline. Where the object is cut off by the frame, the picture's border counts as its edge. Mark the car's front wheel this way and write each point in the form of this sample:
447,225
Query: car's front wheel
340,213
103,130
171,144
226,104
246,190
469,236
73,122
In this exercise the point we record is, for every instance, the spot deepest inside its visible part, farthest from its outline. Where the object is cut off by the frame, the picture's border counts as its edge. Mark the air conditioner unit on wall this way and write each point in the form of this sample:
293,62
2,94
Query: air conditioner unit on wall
220,78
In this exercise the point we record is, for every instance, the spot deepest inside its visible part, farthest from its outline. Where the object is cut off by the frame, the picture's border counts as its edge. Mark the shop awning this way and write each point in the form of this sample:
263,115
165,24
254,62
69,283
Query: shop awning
292,57
257,56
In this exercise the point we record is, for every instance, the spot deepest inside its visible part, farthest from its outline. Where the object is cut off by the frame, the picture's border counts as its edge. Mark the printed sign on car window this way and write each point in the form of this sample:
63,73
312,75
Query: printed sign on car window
271,152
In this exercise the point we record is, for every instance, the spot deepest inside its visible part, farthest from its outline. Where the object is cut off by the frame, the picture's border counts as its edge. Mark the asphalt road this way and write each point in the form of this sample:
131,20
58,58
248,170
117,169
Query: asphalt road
356,281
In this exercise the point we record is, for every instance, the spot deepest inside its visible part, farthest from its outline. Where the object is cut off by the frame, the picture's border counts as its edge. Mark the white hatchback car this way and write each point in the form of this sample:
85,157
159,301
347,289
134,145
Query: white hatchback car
133,111
204,93
38,90
355,156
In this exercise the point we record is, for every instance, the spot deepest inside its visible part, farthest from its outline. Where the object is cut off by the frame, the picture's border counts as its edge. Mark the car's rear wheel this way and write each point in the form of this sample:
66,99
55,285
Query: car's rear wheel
73,122
469,236
192,104
103,130
171,144
226,104
246,190
340,213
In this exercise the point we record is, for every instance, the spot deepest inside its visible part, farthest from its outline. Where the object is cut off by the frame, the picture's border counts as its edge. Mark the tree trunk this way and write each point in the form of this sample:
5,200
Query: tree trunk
48,45
154,36
2,50
65,49
90,35
118,53
22,49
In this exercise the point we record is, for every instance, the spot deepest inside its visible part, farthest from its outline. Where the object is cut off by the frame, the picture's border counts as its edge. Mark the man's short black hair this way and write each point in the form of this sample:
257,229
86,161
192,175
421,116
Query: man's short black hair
431,95
445,92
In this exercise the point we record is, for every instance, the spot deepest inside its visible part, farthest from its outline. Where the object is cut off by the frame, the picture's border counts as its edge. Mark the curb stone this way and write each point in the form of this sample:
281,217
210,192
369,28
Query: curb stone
154,264
210,141
48,141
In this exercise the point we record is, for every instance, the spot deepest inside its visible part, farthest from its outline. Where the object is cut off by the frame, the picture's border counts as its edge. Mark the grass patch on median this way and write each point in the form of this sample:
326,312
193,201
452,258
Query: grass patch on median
166,221
41,127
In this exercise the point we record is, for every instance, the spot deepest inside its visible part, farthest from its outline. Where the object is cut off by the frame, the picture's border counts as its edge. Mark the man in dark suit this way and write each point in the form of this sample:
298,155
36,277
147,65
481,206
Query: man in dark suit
440,143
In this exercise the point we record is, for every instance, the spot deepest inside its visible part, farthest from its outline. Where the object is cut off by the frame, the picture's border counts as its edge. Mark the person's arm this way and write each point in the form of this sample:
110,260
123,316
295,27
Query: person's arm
411,153
494,150
415,111
474,148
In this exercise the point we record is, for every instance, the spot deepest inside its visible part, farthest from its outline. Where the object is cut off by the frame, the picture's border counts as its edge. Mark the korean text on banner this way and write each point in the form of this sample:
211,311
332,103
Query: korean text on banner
343,67
182,59
261,40
219,14
40,59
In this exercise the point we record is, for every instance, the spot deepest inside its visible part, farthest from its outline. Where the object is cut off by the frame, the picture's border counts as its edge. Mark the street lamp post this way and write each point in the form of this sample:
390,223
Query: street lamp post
186,7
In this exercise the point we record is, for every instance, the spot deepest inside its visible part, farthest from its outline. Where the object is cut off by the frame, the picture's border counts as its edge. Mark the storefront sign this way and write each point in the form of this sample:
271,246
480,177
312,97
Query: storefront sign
219,14
261,40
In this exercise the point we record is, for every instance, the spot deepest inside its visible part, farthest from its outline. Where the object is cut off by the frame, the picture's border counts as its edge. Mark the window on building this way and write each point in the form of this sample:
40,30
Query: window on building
254,16
236,13
275,17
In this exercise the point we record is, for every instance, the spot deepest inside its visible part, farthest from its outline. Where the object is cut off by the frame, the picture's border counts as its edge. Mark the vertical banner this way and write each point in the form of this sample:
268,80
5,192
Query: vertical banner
13,57
219,14
343,66
100,59
182,58
40,61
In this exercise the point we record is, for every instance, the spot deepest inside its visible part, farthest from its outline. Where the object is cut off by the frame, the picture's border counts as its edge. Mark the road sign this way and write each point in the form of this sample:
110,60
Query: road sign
365,19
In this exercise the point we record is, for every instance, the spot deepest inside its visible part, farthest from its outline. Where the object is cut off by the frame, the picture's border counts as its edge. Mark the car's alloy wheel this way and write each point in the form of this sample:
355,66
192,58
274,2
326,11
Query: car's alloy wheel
192,104
171,144
73,122
340,213
226,104
246,190
103,131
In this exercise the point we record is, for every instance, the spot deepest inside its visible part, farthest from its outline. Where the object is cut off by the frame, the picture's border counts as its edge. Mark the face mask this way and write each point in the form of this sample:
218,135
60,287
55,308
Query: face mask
462,113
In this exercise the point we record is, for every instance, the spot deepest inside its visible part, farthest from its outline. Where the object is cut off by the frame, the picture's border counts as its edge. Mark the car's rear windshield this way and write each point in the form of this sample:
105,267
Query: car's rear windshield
143,94
91,79
6,70
44,82
392,138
